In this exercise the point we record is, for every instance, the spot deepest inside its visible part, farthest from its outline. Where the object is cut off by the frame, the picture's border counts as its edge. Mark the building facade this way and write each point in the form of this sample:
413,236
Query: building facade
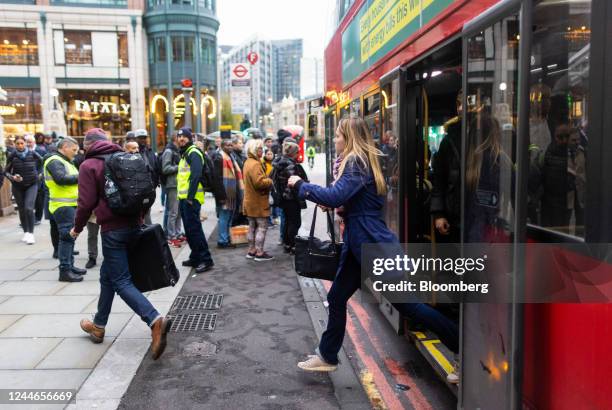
181,43
261,74
70,65
311,77
287,57
81,59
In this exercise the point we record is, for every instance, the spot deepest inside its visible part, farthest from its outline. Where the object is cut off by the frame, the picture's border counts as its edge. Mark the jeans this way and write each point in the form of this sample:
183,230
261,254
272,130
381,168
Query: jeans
172,216
92,239
162,196
194,233
115,277
347,281
225,221
54,234
26,198
281,228
293,221
64,218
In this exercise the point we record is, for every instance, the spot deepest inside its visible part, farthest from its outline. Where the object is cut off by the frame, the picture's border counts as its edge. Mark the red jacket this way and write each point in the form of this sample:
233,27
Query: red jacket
91,191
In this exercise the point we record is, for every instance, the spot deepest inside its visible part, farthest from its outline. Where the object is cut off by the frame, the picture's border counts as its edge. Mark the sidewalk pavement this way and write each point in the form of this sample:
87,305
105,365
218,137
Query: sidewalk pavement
41,342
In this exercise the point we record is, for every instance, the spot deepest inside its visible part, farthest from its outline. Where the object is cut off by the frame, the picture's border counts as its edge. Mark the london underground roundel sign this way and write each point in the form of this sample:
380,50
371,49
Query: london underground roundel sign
240,71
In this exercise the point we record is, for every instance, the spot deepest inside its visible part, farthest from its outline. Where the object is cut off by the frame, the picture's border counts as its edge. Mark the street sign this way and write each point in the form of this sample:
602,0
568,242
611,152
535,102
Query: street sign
253,57
240,88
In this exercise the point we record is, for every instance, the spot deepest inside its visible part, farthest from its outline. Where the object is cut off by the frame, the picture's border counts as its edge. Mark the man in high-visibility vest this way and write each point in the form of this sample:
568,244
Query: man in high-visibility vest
310,153
191,197
61,178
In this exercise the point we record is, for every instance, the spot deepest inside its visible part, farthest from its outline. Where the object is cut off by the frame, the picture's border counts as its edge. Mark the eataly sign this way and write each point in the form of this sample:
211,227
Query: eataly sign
101,107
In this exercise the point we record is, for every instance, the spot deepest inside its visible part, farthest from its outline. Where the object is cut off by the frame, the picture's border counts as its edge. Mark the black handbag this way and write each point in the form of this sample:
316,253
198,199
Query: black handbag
150,260
315,258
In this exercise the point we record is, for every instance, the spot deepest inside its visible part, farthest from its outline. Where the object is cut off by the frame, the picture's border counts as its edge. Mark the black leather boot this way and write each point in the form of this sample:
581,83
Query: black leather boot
79,271
68,276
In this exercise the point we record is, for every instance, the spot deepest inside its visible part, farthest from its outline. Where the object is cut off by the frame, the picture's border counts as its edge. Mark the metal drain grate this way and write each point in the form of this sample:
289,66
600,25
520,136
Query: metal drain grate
198,302
193,322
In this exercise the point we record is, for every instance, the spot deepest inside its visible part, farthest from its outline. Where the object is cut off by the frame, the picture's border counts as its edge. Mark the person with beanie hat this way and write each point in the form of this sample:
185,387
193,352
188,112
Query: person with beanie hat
285,167
191,198
117,233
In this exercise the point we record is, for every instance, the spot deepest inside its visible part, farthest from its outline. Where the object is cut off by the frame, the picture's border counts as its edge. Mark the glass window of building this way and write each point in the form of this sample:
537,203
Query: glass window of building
183,2
177,48
77,47
160,49
98,3
559,102
155,3
188,47
122,47
18,46
27,115
107,109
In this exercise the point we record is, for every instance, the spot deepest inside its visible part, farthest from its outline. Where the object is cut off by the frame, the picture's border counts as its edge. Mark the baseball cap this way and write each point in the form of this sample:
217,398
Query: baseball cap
141,132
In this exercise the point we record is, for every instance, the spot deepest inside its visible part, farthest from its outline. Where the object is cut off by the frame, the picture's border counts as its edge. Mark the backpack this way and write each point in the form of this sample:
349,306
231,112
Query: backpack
128,186
208,174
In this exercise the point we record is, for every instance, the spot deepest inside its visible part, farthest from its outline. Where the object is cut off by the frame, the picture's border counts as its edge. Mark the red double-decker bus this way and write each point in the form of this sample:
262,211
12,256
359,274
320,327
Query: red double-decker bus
416,71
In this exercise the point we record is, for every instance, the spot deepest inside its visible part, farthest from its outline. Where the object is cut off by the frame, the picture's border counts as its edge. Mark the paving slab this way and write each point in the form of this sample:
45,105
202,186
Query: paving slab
60,325
137,329
15,274
14,288
3,298
42,379
119,306
8,320
25,353
11,263
45,304
80,404
112,375
49,263
51,275
81,288
75,353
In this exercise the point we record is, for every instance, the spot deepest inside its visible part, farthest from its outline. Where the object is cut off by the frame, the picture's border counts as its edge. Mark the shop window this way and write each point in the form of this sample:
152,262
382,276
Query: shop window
108,109
122,47
188,44
27,117
177,48
77,47
559,102
18,46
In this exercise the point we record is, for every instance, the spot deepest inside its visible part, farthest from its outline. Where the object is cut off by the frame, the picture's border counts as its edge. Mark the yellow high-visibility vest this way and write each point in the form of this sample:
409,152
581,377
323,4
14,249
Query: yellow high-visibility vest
61,195
184,173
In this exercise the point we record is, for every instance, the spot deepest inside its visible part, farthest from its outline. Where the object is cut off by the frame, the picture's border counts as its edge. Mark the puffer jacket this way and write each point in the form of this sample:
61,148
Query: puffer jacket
30,168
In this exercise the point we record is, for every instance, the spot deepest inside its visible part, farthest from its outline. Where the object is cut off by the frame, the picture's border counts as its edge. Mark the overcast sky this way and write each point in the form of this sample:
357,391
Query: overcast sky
276,19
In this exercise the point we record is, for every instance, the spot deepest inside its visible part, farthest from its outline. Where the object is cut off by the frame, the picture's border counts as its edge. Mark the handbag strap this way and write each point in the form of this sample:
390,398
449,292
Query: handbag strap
332,233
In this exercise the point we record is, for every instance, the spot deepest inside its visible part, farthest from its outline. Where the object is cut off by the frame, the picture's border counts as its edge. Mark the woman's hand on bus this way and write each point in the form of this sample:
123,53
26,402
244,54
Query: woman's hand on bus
442,226
293,180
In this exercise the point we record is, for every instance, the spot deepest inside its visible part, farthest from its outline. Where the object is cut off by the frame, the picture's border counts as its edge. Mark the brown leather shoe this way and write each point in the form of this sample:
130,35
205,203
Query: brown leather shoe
159,330
96,334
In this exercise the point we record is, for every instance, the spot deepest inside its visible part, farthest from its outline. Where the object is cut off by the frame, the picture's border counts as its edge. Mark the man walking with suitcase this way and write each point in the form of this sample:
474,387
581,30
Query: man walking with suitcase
61,179
191,198
117,233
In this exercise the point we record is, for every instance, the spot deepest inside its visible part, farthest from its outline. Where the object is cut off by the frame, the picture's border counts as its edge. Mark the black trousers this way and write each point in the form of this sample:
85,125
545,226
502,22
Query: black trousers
40,204
293,221
26,198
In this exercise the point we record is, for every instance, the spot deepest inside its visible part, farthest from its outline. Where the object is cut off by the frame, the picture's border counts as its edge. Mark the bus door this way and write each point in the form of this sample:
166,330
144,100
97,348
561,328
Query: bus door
489,113
330,149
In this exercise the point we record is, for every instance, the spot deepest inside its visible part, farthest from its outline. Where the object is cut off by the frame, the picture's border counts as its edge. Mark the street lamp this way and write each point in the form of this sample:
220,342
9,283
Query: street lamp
54,92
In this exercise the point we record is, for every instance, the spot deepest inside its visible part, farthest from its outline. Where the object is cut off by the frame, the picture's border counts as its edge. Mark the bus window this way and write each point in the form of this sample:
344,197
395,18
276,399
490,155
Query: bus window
389,146
344,112
558,142
371,115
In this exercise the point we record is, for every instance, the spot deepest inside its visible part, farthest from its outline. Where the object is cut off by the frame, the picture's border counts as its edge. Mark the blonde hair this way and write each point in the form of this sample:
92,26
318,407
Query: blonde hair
252,146
359,146
484,135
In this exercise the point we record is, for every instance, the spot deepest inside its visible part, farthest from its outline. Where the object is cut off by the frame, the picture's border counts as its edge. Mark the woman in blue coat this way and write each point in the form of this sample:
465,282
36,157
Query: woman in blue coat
359,189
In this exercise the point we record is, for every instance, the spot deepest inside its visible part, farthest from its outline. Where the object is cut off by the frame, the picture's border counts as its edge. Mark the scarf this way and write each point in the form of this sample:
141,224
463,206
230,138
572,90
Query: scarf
23,154
232,182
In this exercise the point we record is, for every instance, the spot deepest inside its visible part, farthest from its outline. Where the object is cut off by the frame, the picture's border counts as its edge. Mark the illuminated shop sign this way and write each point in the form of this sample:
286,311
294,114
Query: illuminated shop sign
208,102
101,107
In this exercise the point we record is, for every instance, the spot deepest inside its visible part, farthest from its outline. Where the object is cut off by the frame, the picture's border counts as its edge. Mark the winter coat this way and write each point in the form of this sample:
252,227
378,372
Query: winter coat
257,186
170,159
30,168
283,168
446,177
91,191
356,191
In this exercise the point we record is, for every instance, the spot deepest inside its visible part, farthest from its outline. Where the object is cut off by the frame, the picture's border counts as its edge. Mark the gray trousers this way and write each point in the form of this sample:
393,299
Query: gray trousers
92,239
174,216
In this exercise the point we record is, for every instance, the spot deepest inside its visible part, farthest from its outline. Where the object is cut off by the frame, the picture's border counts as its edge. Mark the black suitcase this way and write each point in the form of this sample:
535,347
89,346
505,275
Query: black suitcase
150,260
